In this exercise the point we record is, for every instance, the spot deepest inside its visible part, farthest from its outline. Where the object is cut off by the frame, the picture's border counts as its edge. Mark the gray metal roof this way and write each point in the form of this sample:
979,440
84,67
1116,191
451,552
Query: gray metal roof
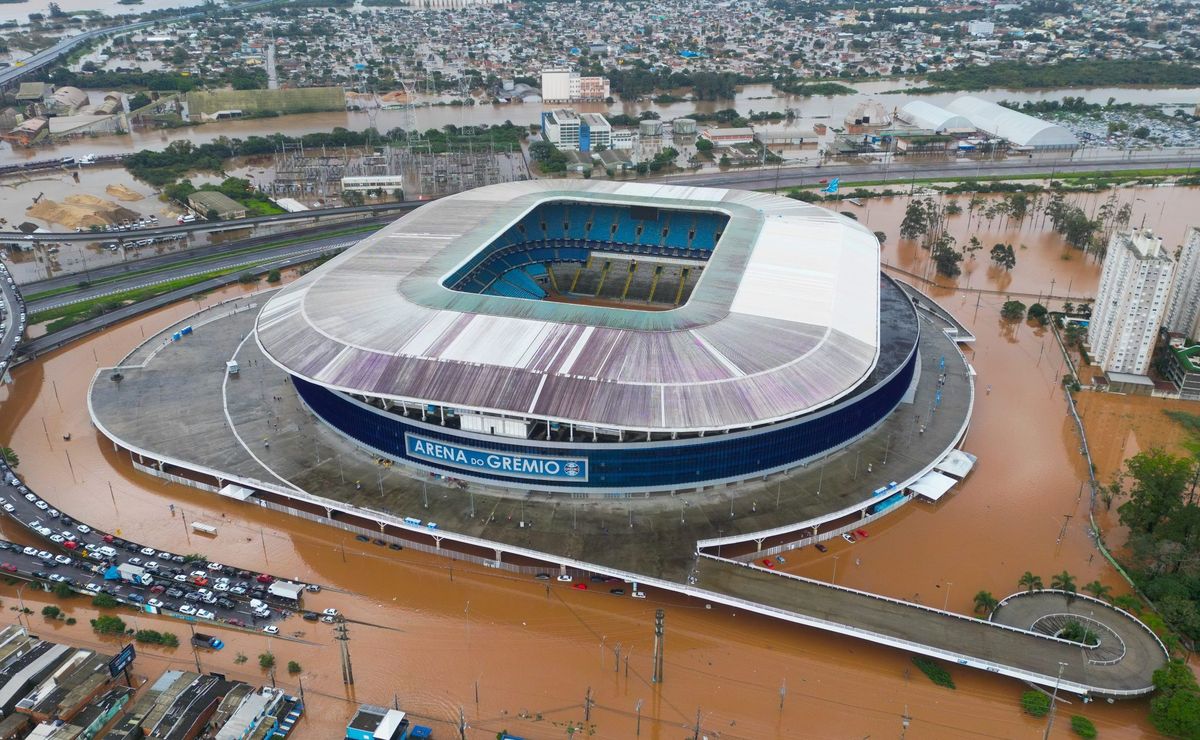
784,319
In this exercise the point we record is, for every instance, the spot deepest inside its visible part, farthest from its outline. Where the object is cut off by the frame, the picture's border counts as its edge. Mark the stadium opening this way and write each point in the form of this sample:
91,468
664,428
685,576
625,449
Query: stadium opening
569,336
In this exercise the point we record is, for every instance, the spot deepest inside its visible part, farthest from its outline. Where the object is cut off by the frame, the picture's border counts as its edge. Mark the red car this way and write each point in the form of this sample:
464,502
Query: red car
200,581
862,533
108,538
264,578
157,589
70,545
581,586
8,568
767,562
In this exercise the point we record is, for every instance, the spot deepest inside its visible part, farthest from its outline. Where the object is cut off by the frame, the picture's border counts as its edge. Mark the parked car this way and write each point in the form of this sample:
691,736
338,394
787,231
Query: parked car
564,578
821,548
271,629
860,533
768,563
848,537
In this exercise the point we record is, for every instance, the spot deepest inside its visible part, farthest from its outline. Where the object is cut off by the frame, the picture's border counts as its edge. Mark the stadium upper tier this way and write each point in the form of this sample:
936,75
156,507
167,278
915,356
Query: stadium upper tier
783,320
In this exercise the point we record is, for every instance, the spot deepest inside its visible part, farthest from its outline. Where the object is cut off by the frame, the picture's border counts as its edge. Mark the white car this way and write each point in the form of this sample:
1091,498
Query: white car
564,578
156,603
10,508
30,551
638,594
199,574
205,614
187,609
220,586
181,578
328,619
44,555
215,566
30,497
62,559
271,629
57,578
83,529
152,565
848,537
134,561
331,612
147,550
41,504
93,587
45,531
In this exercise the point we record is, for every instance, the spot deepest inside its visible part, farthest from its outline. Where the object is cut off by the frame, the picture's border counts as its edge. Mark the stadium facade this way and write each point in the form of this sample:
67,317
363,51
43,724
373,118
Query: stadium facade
578,336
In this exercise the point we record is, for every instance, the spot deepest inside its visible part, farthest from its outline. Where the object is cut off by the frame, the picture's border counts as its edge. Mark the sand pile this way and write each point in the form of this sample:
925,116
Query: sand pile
80,211
120,192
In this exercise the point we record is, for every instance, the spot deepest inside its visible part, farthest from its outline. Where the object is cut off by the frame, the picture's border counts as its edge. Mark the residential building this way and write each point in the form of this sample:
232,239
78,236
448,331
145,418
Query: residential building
1134,290
981,29
377,723
561,85
1183,313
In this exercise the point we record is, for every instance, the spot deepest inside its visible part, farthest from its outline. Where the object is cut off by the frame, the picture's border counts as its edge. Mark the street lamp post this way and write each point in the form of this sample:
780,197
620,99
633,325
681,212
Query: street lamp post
1054,700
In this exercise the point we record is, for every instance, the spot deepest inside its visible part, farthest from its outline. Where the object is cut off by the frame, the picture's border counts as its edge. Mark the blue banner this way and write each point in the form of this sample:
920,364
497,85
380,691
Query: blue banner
494,462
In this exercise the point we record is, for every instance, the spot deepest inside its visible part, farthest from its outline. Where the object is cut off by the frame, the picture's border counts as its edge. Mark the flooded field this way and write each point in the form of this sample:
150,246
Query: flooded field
425,633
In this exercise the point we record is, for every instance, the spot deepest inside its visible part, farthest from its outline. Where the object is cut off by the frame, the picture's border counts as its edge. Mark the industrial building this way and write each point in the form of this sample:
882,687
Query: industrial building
721,137
1019,129
600,336
934,118
1135,287
208,202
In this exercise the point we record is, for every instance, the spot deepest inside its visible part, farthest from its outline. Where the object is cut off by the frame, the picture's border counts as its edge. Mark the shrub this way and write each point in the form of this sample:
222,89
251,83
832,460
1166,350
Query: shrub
247,277
1083,727
104,601
71,620
273,276
1035,703
241,658
935,672
154,637
266,661
51,611
109,625
294,667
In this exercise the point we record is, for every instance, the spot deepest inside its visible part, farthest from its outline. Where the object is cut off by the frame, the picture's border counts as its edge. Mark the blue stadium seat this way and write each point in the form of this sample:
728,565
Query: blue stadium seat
537,269
525,283
626,228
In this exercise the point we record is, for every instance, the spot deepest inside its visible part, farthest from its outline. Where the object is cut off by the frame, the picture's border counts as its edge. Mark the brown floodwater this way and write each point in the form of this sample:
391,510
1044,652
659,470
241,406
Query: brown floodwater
425,634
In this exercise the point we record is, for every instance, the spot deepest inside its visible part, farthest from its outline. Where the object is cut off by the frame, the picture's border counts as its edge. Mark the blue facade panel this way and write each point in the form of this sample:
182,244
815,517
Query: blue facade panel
585,137
644,465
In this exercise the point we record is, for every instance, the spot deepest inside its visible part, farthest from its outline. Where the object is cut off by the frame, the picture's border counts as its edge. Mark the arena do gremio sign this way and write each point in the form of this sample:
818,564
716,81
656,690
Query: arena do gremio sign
497,463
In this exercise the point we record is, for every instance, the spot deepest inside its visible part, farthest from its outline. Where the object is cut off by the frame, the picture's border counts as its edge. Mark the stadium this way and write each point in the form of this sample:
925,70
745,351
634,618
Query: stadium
600,337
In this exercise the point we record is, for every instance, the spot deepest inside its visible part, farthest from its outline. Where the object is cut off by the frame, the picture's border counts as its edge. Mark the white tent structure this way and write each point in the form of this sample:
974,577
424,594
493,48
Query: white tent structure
935,118
933,485
1018,128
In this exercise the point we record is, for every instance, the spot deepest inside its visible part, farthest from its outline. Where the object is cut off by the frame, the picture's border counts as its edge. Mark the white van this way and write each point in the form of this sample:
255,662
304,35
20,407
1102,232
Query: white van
107,551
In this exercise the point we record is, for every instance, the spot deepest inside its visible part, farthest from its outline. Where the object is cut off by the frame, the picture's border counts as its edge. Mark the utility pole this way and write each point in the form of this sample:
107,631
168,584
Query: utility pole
905,721
656,676
462,724
617,663
1063,532
638,709
1054,700
587,706
782,693
696,729
342,635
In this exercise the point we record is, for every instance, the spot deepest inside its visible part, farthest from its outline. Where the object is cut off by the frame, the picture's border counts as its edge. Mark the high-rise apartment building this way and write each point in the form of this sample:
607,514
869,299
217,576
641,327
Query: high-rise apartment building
1183,313
1135,288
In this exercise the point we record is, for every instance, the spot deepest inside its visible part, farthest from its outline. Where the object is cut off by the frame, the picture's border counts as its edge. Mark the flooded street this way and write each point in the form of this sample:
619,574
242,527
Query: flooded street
424,633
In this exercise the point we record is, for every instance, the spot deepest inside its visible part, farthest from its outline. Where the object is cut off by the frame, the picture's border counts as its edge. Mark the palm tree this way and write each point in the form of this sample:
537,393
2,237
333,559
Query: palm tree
10,457
1098,589
985,602
1064,582
1030,582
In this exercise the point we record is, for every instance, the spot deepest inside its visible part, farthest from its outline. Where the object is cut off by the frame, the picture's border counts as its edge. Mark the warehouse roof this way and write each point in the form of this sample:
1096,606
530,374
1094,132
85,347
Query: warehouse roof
784,319
933,117
206,200
1015,126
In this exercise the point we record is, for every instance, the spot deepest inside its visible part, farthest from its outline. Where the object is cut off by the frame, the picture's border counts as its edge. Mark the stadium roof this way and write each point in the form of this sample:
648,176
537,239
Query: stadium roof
784,318
935,118
1016,127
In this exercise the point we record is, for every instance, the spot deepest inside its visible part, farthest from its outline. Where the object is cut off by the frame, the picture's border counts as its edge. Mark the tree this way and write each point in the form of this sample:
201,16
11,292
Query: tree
1083,727
724,162
916,221
880,237
1003,256
704,145
1098,589
1159,480
1012,310
1035,703
266,661
1037,312
63,590
293,667
51,611
10,457
1175,709
273,276
104,601
985,602
1030,582
1064,582
109,625
140,100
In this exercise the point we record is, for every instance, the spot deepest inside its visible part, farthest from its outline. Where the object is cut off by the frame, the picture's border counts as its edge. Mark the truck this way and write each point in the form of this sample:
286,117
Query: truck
201,639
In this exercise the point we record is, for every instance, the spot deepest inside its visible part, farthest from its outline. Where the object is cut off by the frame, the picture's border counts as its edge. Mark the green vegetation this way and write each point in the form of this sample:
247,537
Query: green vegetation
1175,708
154,637
294,667
51,611
935,672
9,457
813,89
274,276
104,601
1013,311
108,625
237,188
985,602
1083,727
1039,313
241,658
548,157
1076,632
266,661
1064,582
1066,73
63,590
1035,703
1003,256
